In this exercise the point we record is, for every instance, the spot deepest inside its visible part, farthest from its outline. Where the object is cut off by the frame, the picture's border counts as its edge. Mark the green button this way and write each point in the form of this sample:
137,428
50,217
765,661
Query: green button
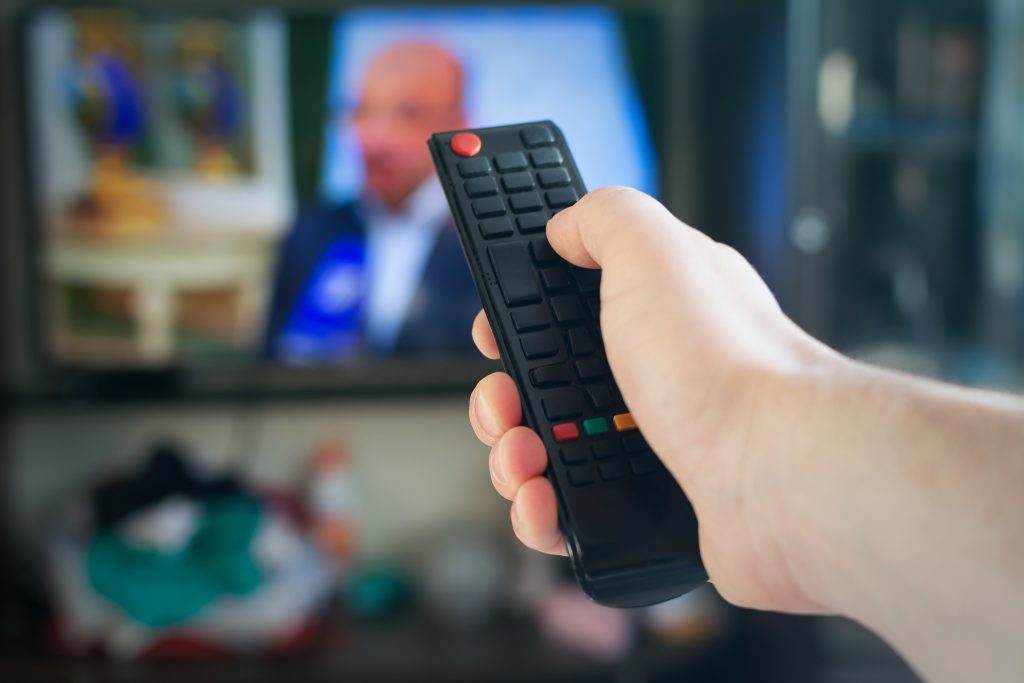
595,425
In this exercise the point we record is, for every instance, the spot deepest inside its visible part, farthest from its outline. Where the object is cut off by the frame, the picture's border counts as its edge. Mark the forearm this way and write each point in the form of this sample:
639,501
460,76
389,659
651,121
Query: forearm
907,513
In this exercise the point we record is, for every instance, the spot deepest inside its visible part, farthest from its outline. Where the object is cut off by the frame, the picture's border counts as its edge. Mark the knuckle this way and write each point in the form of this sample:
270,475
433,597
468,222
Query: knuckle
617,194
615,203
730,253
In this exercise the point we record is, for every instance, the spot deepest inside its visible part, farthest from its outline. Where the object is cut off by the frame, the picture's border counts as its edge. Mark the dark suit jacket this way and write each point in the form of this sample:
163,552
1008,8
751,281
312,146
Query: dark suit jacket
441,312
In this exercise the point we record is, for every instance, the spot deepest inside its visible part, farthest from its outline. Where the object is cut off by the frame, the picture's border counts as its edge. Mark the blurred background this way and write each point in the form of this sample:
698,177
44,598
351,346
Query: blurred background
235,346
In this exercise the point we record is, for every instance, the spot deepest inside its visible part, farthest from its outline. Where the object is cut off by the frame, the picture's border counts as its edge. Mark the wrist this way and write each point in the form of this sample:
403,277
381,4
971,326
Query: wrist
762,484
866,472
811,418
897,493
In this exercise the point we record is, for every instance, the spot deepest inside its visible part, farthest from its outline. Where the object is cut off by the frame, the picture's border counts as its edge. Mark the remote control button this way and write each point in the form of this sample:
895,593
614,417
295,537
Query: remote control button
517,182
562,403
588,279
580,476
600,397
643,464
580,342
538,345
529,201
466,144
486,208
634,442
470,168
555,279
553,177
610,471
510,161
549,156
566,431
567,309
531,318
591,369
595,426
481,187
550,376
532,222
573,454
562,197
542,252
604,448
496,227
624,422
537,136
515,274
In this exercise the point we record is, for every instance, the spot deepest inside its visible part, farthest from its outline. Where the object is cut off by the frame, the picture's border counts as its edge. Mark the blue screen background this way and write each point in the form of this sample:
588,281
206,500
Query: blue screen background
521,64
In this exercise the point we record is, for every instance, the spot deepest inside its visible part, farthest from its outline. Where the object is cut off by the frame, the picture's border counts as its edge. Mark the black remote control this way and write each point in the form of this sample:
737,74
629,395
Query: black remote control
629,529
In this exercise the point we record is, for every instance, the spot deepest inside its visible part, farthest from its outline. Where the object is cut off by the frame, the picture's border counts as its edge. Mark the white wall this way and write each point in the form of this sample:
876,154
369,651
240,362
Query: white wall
416,463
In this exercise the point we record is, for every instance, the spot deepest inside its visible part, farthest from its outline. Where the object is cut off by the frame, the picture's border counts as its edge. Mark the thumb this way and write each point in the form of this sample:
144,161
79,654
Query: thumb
612,227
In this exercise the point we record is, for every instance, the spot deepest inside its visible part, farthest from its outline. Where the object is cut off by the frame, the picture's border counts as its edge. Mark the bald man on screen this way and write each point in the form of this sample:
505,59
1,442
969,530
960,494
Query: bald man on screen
384,274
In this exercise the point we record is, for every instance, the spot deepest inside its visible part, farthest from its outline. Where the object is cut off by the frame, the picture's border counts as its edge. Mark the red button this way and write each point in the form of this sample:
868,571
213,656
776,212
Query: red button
465,144
566,431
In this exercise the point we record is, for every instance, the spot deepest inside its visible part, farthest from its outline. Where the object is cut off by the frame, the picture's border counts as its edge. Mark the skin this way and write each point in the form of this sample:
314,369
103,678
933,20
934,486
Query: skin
410,91
821,485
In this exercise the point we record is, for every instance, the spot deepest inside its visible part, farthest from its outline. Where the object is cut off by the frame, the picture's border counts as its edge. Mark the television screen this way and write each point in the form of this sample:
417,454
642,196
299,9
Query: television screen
225,190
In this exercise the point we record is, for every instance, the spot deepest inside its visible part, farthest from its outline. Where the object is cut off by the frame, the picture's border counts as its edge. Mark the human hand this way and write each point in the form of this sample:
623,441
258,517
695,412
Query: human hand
820,484
699,348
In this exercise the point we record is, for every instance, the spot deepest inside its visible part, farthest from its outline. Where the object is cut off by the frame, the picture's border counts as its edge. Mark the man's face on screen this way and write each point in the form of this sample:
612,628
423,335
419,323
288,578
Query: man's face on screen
410,91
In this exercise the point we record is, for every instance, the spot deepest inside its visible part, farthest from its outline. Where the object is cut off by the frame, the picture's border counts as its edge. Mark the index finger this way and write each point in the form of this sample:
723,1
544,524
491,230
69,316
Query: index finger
483,336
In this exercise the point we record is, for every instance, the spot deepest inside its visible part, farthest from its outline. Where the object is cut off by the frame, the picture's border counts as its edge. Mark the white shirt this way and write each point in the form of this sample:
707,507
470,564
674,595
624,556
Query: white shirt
398,246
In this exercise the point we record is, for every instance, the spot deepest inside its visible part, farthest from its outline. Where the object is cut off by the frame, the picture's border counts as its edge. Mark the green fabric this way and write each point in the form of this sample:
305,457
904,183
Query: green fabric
158,589
378,592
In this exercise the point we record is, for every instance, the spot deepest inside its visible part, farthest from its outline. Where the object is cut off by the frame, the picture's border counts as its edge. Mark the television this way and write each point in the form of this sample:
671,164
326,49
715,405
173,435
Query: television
242,202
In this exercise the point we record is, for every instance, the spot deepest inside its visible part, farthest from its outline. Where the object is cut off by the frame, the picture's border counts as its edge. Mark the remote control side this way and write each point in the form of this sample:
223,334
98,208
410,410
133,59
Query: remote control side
629,530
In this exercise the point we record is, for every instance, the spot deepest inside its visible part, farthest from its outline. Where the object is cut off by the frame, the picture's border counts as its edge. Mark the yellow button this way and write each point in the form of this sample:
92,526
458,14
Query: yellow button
624,422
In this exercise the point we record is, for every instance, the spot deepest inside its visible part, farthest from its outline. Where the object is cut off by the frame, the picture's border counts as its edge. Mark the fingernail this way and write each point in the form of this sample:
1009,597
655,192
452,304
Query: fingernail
485,418
497,474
